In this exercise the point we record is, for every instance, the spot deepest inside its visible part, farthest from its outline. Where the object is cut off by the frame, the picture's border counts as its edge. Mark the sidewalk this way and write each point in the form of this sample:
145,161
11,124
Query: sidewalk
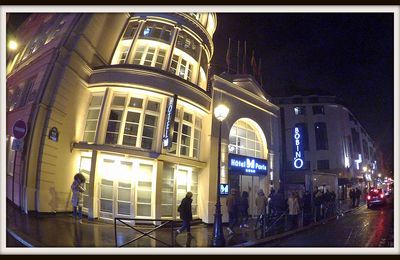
60,230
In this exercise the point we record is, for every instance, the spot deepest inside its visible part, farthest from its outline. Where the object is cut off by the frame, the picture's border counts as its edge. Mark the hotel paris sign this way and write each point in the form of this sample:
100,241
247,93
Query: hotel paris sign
246,165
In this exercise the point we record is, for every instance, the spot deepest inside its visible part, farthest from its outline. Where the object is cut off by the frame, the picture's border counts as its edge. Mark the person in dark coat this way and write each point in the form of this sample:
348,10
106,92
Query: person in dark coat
185,213
358,195
244,207
353,197
232,202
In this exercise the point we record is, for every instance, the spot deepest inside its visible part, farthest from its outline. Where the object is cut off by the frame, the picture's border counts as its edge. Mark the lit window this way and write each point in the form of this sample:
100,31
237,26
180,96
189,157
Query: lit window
134,124
186,134
181,67
245,140
300,110
158,31
93,118
147,55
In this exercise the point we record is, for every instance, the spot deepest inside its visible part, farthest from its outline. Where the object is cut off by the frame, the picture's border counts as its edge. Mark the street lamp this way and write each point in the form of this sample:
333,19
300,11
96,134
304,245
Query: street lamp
12,45
220,112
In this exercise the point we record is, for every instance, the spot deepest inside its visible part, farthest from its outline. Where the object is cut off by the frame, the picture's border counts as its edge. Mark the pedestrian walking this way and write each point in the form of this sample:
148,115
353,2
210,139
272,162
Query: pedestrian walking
317,198
261,205
232,202
352,196
244,207
77,200
358,195
271,204
185,213
294,210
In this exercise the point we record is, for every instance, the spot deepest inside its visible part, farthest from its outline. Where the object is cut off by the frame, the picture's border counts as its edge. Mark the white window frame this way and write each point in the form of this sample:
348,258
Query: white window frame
143,111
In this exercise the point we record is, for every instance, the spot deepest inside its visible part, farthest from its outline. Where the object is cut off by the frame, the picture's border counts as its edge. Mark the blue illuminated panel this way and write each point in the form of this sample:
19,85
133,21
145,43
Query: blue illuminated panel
239,164
298,148
169,122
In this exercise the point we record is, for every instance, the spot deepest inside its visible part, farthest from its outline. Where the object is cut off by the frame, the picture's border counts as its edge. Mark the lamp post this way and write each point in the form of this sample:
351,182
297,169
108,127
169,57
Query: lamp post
220,112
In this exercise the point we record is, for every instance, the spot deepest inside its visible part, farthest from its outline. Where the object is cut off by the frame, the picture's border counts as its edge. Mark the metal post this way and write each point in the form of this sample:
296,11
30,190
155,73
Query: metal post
218,234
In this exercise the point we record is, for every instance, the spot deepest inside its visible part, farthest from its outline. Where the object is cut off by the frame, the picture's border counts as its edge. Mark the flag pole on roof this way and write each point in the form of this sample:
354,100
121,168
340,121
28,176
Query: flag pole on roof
228,55
244,59
237,58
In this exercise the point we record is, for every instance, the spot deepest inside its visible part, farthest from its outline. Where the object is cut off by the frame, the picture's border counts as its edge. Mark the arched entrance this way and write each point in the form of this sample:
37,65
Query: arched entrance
246,138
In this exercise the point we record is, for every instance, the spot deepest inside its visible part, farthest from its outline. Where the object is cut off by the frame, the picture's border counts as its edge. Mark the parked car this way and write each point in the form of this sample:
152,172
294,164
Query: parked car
376,197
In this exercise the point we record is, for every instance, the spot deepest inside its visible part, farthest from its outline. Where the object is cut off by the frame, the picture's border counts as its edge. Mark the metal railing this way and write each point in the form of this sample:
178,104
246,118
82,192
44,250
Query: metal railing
163,223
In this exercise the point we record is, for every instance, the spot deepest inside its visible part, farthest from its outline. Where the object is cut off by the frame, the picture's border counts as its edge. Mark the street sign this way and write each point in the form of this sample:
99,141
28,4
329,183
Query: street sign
17,145
19,129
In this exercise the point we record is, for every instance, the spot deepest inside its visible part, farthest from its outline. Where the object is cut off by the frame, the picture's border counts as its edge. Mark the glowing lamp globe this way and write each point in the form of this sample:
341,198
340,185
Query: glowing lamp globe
12,45
221,112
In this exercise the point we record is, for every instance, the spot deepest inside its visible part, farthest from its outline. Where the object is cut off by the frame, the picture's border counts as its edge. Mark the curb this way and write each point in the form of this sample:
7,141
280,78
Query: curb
292,232
24,239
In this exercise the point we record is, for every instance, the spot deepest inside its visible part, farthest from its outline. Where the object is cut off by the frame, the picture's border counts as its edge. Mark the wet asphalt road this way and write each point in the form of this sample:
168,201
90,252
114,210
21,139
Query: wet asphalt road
362,227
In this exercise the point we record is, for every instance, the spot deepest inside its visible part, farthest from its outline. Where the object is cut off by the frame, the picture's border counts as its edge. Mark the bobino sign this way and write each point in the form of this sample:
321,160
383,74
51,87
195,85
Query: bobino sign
298,148
169,122
246,165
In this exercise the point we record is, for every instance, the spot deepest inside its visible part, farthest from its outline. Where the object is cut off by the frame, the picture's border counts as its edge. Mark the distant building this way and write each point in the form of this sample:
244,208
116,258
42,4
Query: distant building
125,99
324,144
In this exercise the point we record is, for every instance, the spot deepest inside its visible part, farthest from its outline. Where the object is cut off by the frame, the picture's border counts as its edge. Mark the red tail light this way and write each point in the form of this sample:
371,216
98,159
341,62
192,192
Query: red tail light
382,196
369,197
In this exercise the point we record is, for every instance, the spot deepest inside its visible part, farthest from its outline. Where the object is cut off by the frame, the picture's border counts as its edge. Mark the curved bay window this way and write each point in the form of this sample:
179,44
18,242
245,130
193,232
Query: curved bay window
244,139
151,44
133,121
187,132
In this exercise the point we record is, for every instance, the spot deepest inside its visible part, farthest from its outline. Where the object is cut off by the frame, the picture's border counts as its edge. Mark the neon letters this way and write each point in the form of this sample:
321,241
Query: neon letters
298,151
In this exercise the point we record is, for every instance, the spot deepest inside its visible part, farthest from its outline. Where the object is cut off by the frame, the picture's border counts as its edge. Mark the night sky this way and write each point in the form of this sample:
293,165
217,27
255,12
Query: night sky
348,55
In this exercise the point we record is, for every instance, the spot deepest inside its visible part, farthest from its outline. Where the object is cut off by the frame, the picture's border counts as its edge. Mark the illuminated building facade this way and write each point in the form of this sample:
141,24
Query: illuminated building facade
123,98
324,144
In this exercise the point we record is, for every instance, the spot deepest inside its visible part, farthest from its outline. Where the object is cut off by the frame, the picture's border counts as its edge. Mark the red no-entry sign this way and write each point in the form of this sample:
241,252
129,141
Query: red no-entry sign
19,129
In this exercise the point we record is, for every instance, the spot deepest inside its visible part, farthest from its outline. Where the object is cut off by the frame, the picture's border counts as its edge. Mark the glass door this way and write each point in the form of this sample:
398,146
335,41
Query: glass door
84,168
250,184
144,193
116,189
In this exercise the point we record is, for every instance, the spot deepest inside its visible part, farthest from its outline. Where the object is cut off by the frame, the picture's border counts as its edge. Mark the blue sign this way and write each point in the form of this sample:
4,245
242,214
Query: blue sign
223,189
169,122
298,148
245,165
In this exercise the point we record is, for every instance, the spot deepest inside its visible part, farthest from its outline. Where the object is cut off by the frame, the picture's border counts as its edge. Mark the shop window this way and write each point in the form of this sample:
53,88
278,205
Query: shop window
144,190
84,168
245,140
167,191
157,31
92,118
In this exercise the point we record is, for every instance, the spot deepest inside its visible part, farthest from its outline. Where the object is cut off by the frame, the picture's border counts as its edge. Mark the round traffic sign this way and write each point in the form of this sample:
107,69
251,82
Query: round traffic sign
19,129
